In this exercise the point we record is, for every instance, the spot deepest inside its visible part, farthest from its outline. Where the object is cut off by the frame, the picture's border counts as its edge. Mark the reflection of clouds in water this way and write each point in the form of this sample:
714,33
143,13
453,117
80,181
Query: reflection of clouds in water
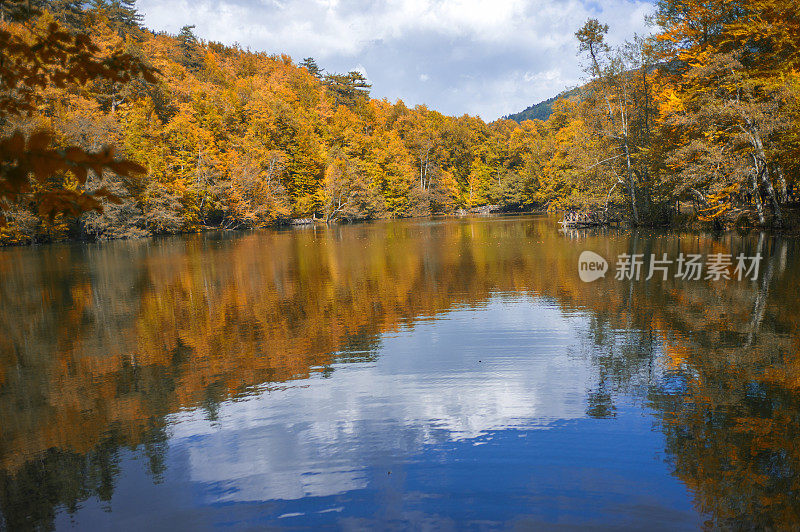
468,373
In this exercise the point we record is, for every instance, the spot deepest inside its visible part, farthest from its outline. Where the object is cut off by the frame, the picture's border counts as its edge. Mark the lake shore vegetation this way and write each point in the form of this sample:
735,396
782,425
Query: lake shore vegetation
698,124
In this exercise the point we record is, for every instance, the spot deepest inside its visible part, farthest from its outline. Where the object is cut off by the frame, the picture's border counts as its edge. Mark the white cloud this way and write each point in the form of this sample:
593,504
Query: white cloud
360,68
439,382
467,48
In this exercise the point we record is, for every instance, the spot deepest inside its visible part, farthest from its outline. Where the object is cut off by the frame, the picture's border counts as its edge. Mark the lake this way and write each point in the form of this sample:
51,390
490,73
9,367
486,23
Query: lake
441,374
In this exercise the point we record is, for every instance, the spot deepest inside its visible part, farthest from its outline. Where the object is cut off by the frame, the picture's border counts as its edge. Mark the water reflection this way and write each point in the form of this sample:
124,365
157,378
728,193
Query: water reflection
314,438
336,374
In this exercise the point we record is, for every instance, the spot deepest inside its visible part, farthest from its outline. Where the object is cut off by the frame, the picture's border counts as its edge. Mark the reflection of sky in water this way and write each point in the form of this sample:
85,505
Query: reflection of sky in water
453,379
477,416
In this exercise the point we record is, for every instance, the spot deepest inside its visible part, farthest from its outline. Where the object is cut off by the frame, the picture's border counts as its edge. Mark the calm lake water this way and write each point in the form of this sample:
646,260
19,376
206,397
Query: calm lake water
418,374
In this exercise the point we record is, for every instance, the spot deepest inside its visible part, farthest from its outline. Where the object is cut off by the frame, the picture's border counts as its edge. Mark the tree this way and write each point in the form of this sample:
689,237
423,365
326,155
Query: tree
724,123
311,66
68,13
190,53
347,194
121,13
732,96
621,92
347,89
36,57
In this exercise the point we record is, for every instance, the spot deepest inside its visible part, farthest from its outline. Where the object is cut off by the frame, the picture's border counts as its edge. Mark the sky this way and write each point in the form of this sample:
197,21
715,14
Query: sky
477,57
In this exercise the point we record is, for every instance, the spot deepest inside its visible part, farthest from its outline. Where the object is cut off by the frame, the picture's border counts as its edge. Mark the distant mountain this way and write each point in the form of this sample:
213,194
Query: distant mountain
541,110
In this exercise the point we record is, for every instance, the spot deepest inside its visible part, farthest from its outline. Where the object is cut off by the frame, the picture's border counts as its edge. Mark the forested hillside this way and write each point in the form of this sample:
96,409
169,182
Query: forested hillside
542,110
233,138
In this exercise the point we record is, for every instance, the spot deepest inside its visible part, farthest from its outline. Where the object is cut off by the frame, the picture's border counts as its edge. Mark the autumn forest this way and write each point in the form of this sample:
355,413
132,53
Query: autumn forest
698,124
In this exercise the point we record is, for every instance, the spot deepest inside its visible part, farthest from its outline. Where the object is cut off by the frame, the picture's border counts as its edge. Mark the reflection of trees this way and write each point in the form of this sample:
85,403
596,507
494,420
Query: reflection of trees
734,443
60,478
127,335
730,406
133,331
624,358
728,395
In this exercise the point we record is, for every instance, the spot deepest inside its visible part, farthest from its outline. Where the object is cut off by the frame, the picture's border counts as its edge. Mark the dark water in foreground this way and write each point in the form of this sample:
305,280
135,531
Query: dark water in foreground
440,374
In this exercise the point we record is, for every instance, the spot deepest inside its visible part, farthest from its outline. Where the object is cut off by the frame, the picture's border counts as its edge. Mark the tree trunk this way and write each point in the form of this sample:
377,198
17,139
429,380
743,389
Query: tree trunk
772,196
782,180
631,180
761,167
757,199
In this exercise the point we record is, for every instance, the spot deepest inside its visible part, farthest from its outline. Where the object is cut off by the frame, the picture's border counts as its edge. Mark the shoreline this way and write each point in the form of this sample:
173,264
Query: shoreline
689,226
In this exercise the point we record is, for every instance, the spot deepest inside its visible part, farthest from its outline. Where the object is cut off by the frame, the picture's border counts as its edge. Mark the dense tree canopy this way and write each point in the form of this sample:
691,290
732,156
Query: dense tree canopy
702,119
